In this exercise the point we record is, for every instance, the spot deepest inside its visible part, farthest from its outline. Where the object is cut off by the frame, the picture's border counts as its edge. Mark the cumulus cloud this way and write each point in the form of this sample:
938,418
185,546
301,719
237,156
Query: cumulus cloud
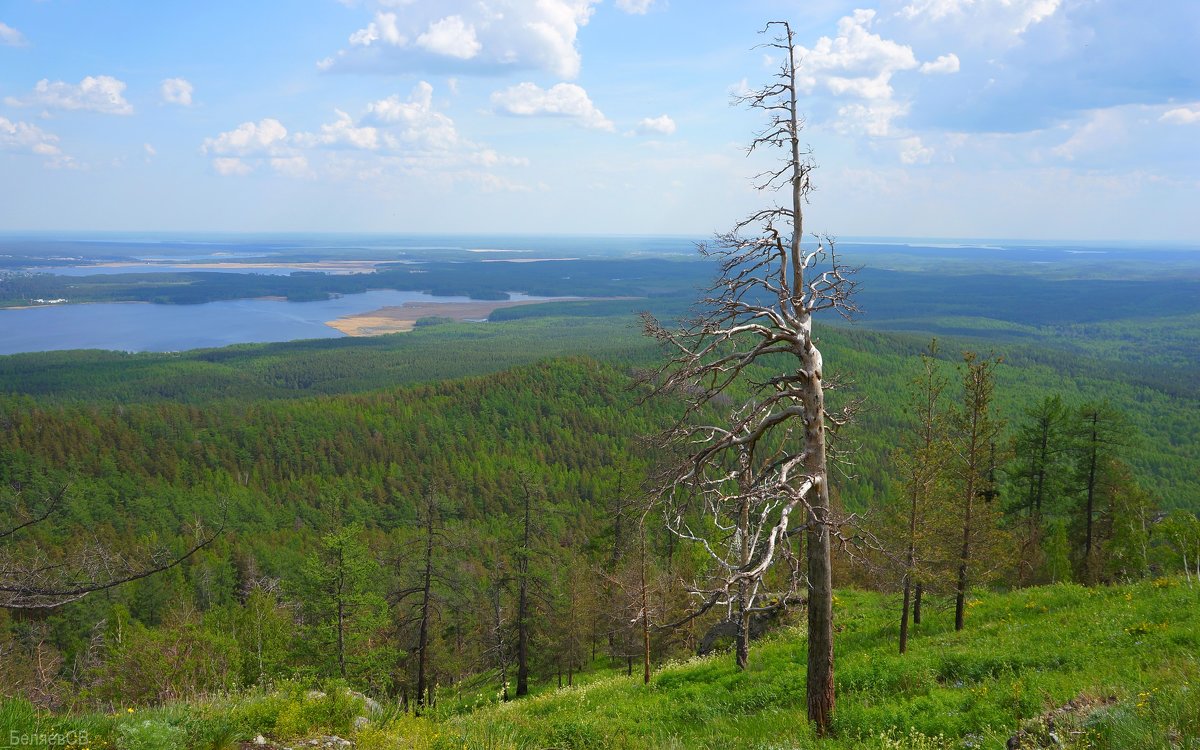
467,35
94,93
414,120
870,118
382,28
451,37
1031,64
945,64
661,125
856,61
1010,16
1181,116
177,91
10,37
912,151
392,137
292,166
231,166
24,137
560,100
342,132
266,137
636,7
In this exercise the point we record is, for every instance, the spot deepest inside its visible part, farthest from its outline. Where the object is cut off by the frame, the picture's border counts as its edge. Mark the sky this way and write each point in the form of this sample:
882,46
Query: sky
1034,119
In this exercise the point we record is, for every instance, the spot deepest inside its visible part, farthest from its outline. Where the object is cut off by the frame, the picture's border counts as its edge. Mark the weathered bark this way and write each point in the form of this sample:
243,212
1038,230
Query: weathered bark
743,597
820,564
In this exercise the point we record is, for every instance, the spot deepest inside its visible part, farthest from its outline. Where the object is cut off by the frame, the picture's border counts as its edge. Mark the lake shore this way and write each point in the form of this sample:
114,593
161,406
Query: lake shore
403,318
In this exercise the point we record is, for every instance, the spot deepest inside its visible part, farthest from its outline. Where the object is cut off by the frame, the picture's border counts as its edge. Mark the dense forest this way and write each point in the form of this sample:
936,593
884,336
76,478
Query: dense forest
361,472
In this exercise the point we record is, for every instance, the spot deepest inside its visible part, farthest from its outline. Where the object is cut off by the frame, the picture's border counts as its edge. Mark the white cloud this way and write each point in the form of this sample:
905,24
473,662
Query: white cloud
10,37
636,7
231,166
414,120
268,137
451,37
912,151
394,137
560,100
150,151
856,62
497,35
1181,116
177,91
382,28
93,93
944,64
248,139
292,166
873,118
1010,16
342,132
662,125
29,138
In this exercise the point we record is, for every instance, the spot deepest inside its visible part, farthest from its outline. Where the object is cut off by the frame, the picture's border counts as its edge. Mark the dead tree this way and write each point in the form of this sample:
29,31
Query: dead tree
32,579
752,337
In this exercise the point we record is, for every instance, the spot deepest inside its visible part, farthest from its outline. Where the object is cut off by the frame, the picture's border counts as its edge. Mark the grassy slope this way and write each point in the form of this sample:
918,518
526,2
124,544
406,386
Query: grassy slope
1022,654
1128,655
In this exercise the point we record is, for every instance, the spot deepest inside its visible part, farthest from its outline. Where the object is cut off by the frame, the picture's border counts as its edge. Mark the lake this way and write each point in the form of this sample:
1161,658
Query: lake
138,327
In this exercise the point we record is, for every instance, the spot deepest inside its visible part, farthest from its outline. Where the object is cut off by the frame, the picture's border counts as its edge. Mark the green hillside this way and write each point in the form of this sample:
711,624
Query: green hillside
1113,668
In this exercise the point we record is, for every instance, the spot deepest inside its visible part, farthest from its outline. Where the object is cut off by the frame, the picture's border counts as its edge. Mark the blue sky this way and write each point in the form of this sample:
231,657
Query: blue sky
1041,119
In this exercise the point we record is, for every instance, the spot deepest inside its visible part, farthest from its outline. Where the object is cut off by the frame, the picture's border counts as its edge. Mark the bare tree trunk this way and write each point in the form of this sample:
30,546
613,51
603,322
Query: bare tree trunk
820,619
919,589
743,597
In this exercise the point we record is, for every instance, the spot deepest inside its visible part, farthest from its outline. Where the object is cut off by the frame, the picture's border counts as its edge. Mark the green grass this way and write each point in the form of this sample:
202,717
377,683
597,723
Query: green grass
1130,654
1118,666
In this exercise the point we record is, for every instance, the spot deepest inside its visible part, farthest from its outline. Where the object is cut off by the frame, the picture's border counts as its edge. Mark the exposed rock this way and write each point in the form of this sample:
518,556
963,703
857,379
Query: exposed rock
1046,731
370,703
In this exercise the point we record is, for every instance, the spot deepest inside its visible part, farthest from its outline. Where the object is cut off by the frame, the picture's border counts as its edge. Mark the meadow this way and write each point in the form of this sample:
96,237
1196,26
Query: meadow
1065,666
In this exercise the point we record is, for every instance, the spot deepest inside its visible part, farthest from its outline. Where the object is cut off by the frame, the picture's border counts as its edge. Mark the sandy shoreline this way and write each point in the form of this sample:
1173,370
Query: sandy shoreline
403,318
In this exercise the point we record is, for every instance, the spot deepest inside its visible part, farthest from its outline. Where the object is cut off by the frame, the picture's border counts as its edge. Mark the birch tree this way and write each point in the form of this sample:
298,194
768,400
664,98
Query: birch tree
751,478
